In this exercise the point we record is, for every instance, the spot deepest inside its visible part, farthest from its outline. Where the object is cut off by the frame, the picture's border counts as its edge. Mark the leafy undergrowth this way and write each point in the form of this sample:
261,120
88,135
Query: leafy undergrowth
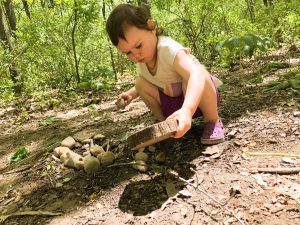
195,184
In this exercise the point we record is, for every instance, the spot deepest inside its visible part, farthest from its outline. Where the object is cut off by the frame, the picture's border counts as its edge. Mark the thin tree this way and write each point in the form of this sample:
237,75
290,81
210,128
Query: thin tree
110,48
7,27
26,8
77,76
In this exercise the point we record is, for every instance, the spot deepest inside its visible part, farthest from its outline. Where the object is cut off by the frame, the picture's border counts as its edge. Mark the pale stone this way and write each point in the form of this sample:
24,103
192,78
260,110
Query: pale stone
82,135
99,137
68,142
96,150
58,151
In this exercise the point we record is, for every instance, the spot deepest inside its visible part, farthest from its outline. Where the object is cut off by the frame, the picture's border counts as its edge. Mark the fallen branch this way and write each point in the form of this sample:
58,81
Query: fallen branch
123,164
208,195
276,170
28,213
248,154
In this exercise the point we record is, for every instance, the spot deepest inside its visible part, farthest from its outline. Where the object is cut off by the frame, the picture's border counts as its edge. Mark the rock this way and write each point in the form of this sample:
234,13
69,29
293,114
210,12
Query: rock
96,150
120,103
106,158
72,159
288,160
68,142
141,156
86,153
58,151
99,137
152,148
140,166
86,141
296,113
82,135
86,147
78,145
91,164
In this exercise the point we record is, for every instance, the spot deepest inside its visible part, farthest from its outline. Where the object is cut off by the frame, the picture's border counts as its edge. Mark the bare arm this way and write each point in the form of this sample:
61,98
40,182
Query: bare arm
194,76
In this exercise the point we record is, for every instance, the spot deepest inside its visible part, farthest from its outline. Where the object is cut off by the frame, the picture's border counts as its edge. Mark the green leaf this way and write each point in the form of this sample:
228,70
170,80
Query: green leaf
48,121
44,173
92,107
20,154
67,179
247,51
233,42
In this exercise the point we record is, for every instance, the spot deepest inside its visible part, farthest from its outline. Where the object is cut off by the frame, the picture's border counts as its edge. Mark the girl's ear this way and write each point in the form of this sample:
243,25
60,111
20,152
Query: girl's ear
151,24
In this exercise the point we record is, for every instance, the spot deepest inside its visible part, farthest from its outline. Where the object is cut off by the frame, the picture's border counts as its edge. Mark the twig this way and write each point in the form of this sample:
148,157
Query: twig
208,195
276,170
18,170
193,216
248,154
28,213
123,164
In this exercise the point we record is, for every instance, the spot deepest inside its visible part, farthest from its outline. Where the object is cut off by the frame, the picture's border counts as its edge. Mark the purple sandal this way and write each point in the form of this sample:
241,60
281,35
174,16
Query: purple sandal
212,133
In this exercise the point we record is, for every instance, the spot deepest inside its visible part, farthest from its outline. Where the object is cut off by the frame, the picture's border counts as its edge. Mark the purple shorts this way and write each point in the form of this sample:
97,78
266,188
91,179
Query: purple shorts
171,104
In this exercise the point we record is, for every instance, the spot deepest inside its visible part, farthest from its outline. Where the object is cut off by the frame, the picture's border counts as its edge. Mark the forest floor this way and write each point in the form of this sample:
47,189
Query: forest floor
195,184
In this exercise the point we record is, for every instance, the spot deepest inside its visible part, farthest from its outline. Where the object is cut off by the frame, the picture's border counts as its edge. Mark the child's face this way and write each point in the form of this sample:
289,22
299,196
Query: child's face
140,45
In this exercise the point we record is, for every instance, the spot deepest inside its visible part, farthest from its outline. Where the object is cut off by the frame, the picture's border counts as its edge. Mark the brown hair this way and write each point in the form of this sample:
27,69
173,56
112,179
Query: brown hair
125,15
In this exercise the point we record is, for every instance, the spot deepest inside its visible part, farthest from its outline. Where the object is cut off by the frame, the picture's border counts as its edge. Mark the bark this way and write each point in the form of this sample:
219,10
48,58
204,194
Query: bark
250,6
77,76
152,134
268,3
51,4
9,11
110,48
26,8
6,39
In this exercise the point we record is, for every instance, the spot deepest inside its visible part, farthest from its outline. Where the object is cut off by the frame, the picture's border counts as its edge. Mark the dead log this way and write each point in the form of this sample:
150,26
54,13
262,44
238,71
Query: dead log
152,134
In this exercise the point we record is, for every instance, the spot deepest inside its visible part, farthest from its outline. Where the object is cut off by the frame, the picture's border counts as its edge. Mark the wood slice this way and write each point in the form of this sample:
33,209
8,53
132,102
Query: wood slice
152,134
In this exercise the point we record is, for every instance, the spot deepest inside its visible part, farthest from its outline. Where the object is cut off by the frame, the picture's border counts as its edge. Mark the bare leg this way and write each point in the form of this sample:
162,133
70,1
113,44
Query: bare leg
150,96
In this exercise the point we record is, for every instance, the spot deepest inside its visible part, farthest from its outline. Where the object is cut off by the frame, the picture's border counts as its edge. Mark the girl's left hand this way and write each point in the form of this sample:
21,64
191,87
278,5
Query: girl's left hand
184,119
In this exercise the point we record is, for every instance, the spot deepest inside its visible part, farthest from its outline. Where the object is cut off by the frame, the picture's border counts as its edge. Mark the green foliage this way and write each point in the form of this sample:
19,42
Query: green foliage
48,121
273,66
245,45
43,45
97,79
293,83
20,154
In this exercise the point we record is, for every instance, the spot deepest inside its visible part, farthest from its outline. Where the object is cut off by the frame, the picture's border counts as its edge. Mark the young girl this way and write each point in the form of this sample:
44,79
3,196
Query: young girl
171,81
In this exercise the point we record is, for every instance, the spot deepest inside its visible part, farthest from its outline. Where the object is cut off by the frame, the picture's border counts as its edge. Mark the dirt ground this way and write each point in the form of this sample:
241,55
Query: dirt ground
195,184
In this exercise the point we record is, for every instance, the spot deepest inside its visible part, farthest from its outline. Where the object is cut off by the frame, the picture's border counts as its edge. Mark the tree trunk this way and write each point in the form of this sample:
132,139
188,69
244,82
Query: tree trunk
26,8
9,11
51,4
110,48
5,36
74,44
250,6
268,3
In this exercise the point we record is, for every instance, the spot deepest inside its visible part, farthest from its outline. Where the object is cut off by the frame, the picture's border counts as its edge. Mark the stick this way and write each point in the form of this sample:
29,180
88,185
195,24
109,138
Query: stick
124,164
28,213
248,154
276,170
208,195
